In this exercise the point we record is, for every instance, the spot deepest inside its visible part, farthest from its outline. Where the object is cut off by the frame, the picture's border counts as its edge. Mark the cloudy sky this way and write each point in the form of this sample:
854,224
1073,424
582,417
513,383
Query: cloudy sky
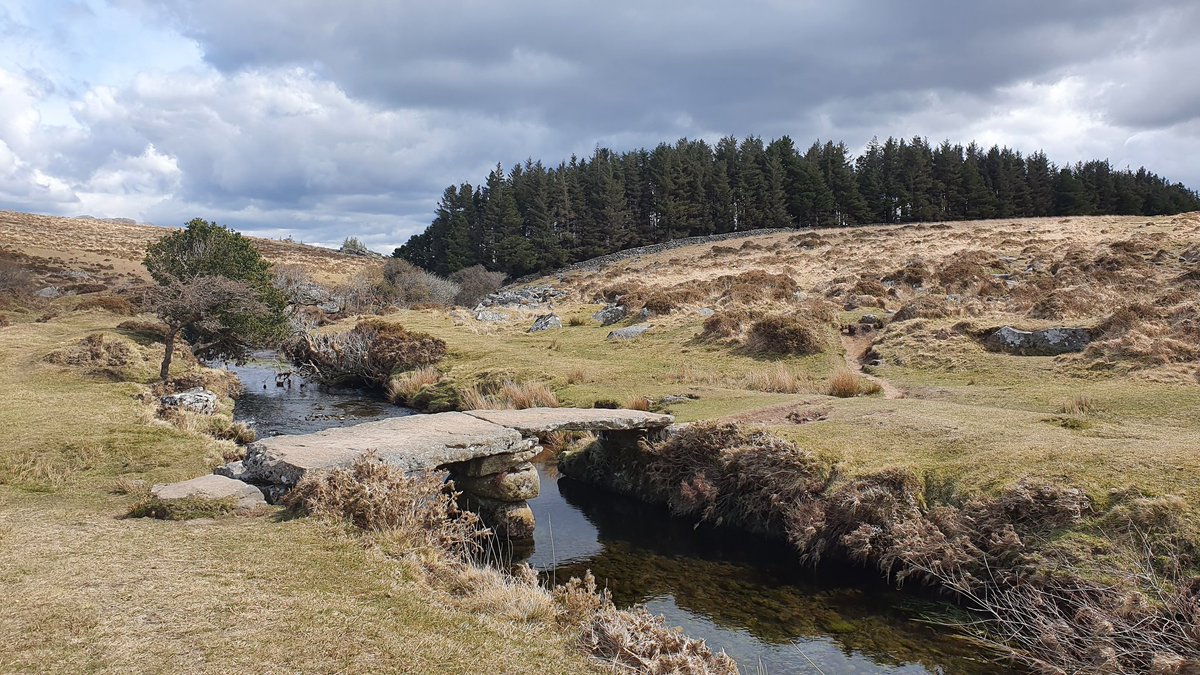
322,119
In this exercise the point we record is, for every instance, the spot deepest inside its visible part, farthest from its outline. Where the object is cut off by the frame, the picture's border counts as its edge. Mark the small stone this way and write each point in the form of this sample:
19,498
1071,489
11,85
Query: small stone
630,333
197,400
610,314
490,316
545,322
515,485
235,470
212,487
706,312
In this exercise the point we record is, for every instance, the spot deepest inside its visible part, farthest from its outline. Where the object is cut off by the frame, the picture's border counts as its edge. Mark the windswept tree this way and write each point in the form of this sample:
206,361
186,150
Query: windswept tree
215,290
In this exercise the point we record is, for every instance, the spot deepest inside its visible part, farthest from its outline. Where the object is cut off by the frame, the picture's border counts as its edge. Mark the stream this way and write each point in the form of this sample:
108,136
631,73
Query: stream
740,593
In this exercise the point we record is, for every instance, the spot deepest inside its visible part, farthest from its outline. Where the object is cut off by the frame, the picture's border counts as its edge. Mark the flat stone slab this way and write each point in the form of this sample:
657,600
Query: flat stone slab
411,443
211,487
546,420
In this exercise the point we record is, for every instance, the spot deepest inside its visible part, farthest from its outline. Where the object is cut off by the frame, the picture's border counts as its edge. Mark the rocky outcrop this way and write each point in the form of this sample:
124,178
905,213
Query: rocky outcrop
490,316
545,322
528,297
630,333
1048,342
195,400
214,487
610,314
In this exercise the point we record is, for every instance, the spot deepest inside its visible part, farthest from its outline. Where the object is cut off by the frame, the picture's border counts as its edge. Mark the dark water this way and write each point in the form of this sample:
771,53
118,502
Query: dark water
740,593
301,407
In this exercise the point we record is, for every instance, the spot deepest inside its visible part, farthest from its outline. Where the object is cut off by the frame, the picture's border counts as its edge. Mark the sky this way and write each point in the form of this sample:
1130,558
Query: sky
321,119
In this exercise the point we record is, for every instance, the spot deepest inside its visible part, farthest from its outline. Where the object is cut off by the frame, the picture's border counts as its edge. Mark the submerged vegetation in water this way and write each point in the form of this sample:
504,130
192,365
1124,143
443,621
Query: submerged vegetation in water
1047,592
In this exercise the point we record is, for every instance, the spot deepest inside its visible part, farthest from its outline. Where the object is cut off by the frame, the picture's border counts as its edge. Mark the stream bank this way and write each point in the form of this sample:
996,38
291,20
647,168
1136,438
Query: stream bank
741,593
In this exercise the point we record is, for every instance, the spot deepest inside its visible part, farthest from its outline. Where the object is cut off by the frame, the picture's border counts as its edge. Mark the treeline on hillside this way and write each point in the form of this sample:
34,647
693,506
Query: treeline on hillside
535,219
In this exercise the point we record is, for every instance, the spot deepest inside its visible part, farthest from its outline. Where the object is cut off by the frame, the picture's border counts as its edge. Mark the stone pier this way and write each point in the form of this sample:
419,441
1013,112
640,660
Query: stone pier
486,452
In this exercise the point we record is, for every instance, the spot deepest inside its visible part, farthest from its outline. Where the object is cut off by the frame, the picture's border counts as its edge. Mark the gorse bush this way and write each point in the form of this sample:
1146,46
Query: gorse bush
420,509
368,354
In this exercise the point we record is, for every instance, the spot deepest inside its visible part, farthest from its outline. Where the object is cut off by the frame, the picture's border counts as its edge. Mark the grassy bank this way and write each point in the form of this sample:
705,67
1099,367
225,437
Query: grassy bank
87,589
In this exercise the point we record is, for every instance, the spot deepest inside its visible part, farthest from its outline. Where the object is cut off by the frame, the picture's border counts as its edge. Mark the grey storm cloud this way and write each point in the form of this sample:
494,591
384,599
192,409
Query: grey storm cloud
325,119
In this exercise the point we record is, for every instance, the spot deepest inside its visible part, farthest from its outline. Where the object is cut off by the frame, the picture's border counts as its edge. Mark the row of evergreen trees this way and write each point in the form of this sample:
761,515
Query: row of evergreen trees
535,219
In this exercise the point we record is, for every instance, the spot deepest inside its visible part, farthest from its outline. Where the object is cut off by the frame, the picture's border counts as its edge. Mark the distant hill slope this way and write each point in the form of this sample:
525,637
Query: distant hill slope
115,247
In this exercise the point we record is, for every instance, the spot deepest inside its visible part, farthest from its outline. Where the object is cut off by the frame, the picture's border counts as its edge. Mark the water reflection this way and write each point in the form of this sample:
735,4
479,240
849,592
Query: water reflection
740,593
300,406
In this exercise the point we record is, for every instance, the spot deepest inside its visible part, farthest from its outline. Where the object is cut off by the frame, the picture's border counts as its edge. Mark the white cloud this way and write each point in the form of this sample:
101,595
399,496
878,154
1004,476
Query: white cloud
323,121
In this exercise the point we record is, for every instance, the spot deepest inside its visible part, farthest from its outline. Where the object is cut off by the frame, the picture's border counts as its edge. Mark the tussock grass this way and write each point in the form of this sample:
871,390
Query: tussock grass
1079,404
404,387
509,395
639,403
848,384
779,379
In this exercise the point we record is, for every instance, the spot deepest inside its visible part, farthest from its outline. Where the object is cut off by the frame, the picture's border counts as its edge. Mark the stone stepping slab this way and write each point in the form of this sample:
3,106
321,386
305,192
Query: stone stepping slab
546,420
412,443
419,442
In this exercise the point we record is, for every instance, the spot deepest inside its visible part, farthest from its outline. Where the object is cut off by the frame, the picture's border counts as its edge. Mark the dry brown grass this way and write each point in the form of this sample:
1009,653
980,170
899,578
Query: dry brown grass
1079,404
509,395
577,375
403,387
639,403
529,394
779,379
846,383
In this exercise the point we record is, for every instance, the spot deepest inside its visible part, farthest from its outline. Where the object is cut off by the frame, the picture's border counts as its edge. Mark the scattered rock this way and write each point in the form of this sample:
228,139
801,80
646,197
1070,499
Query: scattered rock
630,333
871,320
706,312
212,487
1048,342
490,316
195,400
332,306
645,314
610,314
527,297
545,322
672,399
48,292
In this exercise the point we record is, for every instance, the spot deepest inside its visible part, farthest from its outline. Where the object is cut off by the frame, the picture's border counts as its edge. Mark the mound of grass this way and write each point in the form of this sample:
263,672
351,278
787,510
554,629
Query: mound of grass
785,335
